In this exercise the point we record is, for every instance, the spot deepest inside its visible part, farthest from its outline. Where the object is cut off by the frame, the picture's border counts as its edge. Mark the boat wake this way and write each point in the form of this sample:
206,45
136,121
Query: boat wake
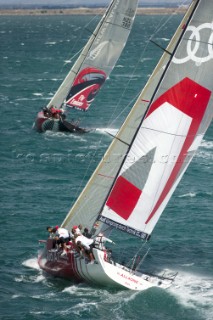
31,263
107,131
190,290
194,291
52,135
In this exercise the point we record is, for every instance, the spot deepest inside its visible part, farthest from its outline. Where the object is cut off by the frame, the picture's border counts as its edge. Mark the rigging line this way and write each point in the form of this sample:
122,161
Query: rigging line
126,107
115,137
143,245
95,17
84,177
136,255
198,41
172,134
113,119
160,25
71,58
142,260
98,27
74,45
157,29
159,46
118,25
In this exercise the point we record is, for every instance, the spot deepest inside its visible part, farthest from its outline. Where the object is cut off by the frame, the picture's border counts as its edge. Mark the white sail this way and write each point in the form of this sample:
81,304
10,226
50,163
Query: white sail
141,169
98,57
178,115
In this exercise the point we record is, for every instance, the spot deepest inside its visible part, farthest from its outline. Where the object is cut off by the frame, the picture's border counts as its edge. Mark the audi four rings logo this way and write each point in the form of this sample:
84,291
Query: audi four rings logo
193,45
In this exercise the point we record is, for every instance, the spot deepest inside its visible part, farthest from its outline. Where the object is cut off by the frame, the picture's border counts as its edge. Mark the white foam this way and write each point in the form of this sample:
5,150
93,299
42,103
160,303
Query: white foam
50,42
37,94
107,297
15,296
145,59
207,144
107,130
59,134
205,151
194,291
31,263
187,264
190,194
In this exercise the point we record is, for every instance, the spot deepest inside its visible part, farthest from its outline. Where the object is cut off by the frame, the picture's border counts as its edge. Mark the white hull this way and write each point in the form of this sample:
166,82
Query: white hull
101,273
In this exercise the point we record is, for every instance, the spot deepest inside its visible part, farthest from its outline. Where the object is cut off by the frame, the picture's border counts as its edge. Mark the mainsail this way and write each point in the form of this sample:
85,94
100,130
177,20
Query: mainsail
145,162
98,57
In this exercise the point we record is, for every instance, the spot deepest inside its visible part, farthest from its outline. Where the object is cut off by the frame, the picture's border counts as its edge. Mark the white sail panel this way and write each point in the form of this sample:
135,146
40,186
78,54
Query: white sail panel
98,57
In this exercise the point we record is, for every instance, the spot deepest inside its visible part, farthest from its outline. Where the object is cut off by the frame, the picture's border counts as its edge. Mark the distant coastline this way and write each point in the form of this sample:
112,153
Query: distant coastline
87,11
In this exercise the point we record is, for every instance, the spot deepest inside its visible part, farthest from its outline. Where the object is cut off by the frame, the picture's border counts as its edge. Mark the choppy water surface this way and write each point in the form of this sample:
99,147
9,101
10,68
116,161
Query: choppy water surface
42,174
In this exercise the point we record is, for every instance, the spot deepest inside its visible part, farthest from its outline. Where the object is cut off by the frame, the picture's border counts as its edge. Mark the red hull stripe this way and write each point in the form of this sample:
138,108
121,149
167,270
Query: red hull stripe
123,197
74,267
192,99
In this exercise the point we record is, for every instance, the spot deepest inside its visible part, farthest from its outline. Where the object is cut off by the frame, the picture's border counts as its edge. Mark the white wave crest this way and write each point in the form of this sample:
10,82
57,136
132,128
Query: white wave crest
107,130
50,43
190,194
207,144
194,291
37,94
145,59
31,263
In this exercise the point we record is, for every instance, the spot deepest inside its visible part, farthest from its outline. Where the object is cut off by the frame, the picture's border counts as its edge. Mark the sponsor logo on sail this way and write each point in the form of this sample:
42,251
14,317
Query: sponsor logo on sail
85,87
195,42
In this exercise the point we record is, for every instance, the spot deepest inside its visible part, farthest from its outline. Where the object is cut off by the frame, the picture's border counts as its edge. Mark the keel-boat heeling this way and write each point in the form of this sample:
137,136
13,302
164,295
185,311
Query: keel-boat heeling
104,272
133,183
92,68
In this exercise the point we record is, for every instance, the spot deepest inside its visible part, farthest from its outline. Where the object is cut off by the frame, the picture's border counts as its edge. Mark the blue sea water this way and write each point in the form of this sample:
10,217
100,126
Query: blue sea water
42,174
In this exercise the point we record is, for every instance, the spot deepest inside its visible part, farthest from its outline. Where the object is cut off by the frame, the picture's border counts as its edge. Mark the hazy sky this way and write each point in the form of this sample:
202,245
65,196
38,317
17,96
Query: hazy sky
79,2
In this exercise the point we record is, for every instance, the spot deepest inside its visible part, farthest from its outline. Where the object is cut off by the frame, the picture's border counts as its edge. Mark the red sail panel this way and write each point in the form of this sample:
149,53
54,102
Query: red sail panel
123,198
85,87
192,99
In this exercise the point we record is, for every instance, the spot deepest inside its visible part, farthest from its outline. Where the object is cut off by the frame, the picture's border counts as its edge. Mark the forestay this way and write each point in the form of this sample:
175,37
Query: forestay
98,57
